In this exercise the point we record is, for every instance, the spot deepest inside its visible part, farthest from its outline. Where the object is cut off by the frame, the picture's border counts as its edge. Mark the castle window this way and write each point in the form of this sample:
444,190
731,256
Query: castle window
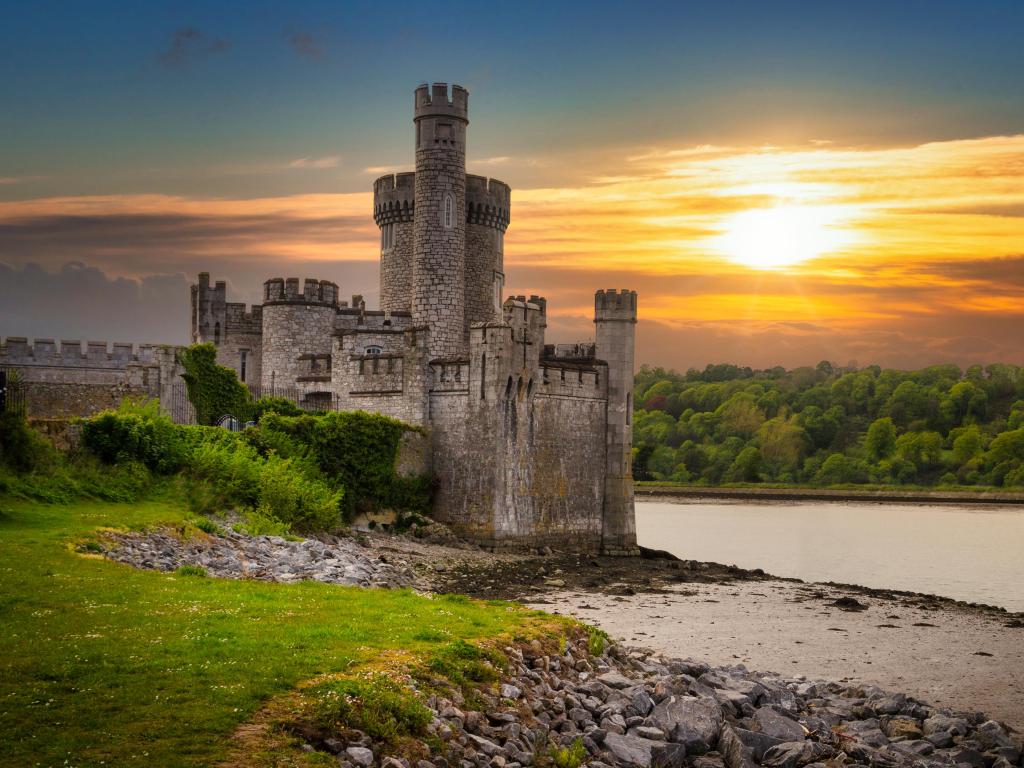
449,211
483,376
629,409
374,350
387,236
501,241
216,333
241,366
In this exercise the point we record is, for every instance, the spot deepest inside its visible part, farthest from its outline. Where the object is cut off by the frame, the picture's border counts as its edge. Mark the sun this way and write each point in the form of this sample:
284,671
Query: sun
782,236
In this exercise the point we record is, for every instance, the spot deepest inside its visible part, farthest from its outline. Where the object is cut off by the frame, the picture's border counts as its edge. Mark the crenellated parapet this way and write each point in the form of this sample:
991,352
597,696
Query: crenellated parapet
19,351
394,198
614,305
279,290
488,202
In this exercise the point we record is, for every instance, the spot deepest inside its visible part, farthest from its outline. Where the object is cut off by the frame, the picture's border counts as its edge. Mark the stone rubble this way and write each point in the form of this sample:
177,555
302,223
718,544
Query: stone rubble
267,558
630,708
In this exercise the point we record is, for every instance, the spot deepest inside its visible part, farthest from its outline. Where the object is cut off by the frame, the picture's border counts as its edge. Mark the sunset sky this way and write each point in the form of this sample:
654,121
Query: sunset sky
782,182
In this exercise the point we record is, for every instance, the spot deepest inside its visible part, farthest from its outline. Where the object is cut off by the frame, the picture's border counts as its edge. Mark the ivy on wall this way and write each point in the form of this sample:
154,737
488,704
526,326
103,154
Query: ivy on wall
358,450
213,390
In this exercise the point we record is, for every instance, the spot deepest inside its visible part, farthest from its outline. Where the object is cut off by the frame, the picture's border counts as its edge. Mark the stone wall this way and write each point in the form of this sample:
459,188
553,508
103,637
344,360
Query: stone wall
487,213
439,229
297,345
394,206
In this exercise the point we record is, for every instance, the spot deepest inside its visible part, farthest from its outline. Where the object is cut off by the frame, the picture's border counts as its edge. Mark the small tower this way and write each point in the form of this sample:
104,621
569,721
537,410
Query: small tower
209,311
439,229
615,318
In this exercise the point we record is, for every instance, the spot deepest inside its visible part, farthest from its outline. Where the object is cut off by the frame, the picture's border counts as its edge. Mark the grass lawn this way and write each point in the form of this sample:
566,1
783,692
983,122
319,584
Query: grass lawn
101,663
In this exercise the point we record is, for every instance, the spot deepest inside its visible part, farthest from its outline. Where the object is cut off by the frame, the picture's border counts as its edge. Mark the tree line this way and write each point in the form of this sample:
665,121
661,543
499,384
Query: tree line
830,425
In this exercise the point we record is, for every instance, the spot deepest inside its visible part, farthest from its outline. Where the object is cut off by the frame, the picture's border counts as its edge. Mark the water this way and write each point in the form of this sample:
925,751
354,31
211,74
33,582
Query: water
972,553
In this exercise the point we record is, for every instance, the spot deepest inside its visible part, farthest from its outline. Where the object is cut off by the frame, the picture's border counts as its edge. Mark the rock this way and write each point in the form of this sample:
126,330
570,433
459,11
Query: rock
510,691
901,728
771,723
694,723
758,743
333,745
967,756
734,752
955,726
642,703
708,761
615,680
486,746
629,750
793,754
649,732
360,756
940,740
668,755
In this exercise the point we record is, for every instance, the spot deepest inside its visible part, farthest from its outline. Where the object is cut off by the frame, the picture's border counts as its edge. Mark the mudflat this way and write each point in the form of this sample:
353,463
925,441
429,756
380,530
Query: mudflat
947,654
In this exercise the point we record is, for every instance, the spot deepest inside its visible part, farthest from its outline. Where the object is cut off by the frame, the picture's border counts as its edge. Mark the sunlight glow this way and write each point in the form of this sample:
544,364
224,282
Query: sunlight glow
782,236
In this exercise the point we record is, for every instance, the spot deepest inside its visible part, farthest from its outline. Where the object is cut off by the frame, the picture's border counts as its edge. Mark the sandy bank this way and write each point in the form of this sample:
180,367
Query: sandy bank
827,494
949,655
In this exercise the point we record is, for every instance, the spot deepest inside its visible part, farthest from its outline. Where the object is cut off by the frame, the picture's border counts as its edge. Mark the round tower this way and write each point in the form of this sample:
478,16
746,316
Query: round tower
297,327
487,217
439,228
394,203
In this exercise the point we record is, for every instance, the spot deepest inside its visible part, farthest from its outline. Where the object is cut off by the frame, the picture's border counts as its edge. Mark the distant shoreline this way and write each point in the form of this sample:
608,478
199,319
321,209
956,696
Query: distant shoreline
830,494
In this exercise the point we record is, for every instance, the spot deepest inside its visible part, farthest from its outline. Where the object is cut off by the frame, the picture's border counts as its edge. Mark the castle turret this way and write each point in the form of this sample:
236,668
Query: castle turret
394,205
209,310
439,229
487,217
615,318
297,327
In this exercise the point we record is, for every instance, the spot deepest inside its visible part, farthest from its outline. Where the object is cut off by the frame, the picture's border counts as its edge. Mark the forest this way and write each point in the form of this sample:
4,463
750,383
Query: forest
831,426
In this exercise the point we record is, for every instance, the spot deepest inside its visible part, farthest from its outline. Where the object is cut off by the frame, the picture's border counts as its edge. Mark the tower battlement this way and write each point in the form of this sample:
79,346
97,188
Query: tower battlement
281,290
614,305
434,101
394,198
487,202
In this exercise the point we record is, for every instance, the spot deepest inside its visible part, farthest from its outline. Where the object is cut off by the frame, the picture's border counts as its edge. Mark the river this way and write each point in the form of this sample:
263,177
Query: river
972,553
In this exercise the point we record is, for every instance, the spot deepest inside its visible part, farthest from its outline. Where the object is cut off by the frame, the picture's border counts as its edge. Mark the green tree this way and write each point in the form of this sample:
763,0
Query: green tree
745,466
880,441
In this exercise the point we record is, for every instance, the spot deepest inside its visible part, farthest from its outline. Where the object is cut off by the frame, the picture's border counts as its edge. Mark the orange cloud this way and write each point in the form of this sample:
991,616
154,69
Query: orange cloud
903,249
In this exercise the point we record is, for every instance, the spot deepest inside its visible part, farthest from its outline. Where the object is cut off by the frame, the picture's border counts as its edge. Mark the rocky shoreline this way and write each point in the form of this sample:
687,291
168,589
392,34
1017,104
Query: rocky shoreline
961,654
628,707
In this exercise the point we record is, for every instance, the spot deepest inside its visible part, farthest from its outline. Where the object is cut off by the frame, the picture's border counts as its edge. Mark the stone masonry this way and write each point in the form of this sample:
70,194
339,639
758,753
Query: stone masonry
530,443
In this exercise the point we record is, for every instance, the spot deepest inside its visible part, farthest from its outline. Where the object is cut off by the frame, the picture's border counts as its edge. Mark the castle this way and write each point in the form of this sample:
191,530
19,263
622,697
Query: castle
530,442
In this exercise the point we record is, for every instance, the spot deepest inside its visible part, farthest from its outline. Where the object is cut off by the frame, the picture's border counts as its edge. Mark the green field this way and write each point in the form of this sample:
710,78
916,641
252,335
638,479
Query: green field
106,664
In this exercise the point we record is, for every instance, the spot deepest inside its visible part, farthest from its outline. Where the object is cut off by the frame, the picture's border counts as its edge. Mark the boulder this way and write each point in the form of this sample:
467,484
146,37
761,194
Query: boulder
694,723
793,754
771,723
627,749
360,756
734,752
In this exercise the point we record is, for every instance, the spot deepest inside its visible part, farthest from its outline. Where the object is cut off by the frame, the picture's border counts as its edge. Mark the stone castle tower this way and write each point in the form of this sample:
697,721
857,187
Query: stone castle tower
530,442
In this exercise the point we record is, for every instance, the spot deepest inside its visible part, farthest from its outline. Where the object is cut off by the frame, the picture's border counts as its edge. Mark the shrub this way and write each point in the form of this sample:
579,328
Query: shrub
571,756
377,705
279,405
191,570
357,450
21,448
136,433
464,664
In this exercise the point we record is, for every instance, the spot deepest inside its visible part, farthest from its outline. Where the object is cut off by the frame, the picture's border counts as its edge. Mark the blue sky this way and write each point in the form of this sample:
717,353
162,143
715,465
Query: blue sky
654,145
99,97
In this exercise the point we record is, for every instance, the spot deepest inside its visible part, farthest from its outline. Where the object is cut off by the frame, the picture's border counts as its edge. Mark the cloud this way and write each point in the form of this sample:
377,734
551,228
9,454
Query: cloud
933,270
11,180
381,170
189,42
316,163
306,45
